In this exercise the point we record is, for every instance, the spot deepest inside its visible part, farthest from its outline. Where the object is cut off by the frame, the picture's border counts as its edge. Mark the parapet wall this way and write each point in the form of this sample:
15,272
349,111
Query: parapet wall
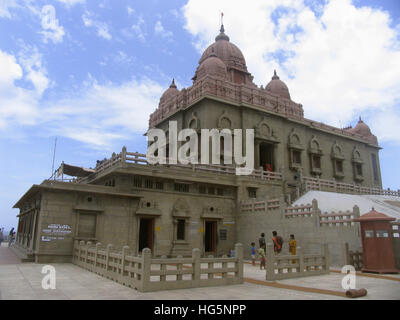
310,227
145,273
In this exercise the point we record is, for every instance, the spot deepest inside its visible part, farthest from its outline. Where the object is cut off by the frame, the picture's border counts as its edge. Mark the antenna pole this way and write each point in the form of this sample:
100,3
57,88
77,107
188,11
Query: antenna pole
54,156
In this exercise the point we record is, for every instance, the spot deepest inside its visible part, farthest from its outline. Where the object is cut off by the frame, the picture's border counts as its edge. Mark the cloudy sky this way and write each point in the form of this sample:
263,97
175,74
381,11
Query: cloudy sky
90,72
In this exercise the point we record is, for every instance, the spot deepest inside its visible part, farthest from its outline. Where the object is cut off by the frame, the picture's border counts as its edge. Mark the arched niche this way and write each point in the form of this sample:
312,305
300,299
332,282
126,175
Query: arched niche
337,157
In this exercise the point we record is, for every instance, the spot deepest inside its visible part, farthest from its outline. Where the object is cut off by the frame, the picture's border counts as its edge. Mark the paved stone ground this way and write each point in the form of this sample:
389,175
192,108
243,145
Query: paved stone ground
7,256
23,281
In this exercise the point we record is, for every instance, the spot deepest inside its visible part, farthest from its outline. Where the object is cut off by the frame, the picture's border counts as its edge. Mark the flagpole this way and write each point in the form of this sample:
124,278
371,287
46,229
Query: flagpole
54,156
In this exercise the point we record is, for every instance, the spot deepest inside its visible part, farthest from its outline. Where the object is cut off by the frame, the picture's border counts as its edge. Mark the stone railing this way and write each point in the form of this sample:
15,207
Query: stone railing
353,258
238,93
265,205
332,219
136,158
145,273
303,210
338,219
334,186
285,266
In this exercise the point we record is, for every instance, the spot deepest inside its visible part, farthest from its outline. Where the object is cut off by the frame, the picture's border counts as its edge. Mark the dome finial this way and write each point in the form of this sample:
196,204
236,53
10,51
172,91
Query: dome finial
222,35
275,77
173,83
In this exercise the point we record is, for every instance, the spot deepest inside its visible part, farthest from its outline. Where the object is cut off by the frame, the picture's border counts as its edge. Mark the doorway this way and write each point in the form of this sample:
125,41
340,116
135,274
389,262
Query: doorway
210,236
267,156
146,233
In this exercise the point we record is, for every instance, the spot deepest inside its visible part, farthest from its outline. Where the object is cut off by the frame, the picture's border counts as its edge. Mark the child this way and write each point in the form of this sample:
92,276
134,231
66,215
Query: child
261,253
253,254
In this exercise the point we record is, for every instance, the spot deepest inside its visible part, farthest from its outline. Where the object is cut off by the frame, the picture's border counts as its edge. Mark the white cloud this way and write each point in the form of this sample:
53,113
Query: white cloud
5,5
339,63
101,113
70,3
17,105
52,30
31,60
130,10
138,29
159,30
101,27
97,114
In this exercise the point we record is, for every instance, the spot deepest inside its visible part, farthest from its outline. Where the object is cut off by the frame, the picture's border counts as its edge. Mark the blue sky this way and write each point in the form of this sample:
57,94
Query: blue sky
90,72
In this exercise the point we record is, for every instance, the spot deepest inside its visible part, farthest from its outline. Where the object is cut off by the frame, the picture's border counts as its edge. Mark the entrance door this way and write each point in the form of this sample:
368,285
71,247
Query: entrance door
267,156
146,233
210,236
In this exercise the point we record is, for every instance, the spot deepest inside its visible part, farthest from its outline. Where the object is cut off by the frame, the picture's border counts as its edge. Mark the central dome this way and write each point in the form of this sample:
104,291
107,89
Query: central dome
226,51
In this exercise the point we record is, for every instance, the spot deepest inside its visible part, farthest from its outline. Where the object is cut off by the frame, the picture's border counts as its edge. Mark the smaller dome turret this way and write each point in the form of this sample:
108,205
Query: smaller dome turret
170,92
362,129
212,66
278,87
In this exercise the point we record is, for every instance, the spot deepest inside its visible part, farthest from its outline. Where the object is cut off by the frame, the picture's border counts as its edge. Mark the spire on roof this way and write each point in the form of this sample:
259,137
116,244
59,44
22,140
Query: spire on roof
222,35
275,77
173,83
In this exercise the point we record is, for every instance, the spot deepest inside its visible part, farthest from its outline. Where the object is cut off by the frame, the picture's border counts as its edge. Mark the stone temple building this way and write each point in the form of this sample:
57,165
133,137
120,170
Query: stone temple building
174,208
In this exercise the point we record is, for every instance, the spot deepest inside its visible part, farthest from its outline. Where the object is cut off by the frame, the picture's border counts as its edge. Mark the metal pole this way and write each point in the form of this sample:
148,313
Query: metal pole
54,156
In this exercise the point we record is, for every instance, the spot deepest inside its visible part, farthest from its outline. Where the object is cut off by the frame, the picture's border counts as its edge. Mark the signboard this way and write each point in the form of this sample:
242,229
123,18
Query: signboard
55,231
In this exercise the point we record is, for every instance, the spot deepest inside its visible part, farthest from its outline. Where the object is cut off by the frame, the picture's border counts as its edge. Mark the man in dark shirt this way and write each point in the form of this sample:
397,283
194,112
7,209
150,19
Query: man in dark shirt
261,241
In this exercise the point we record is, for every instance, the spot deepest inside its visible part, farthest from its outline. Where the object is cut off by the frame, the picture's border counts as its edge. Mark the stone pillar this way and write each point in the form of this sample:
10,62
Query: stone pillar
81,244
109,247
125,250
256,154
196,267
299,253
239,257
325,252
269,263
123,154
88,244
146,265
345,254
356,214
282,205
76,247
316,212
98,244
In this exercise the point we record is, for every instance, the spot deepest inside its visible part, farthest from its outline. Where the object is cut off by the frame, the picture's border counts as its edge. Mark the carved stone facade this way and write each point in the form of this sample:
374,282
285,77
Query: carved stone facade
173,209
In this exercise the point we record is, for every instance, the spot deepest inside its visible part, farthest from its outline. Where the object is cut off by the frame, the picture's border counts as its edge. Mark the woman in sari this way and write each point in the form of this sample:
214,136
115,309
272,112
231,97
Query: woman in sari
292,246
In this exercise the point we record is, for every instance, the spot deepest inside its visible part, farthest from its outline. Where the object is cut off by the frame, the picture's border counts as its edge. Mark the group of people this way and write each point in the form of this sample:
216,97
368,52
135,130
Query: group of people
11,236
278,244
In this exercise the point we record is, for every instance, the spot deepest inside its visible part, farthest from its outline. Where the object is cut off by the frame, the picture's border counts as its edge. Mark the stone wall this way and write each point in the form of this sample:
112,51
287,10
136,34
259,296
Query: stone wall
308,232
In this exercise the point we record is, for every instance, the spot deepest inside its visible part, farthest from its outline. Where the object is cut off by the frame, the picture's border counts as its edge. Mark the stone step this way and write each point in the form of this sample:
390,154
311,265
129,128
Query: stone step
22,254
185,252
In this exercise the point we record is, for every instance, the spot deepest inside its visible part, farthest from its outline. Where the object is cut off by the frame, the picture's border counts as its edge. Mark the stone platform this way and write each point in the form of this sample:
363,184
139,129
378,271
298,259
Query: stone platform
19,281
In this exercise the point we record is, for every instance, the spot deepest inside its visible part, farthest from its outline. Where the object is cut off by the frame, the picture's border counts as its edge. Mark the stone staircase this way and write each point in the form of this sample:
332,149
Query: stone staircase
22,254
183,250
